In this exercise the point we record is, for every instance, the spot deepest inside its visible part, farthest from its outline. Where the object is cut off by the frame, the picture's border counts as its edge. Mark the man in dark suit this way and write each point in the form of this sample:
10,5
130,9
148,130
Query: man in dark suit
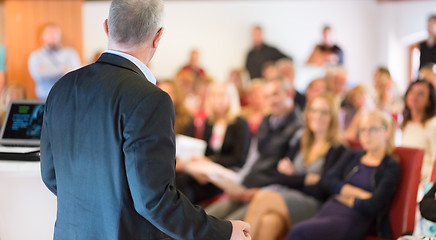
107,145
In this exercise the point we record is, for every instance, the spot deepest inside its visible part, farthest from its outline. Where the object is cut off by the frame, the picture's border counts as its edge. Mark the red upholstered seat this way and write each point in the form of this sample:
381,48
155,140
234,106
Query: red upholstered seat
433,173
402,210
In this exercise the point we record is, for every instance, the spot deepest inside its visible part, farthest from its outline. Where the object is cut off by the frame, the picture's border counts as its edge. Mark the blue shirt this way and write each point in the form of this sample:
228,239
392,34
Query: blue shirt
47,66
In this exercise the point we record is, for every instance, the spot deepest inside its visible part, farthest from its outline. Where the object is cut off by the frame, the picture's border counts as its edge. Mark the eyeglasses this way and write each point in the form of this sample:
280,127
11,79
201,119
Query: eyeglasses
370,130
323,112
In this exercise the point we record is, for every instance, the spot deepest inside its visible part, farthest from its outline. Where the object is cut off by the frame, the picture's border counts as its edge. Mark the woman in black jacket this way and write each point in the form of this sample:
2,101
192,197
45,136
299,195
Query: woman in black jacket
363,184
227,136
297,195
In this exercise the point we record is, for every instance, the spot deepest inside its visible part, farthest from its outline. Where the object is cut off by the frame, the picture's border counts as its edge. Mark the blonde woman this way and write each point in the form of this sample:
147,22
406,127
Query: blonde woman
227,136
298,196
362,184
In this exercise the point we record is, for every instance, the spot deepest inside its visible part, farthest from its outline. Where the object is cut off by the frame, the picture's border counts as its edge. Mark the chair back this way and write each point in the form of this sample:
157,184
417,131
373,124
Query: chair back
403,207
433,173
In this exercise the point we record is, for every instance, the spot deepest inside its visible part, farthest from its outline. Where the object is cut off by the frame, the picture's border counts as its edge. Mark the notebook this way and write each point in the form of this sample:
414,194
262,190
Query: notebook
21,129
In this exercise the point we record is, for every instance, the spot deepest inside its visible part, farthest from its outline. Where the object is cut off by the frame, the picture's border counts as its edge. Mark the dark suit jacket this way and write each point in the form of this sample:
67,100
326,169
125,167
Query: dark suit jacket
108,154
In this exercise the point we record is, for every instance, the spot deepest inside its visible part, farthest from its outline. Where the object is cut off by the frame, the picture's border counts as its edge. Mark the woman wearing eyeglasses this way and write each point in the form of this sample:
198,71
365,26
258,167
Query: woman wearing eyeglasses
362,184
298,197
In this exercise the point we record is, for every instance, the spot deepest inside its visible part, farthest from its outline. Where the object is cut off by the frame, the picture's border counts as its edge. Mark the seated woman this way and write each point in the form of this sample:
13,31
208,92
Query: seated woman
227,136
357,102
363,184
271,213
419,124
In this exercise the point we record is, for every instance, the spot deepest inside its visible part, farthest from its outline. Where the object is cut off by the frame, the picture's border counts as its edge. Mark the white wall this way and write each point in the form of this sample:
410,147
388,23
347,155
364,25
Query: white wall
402,24
369,33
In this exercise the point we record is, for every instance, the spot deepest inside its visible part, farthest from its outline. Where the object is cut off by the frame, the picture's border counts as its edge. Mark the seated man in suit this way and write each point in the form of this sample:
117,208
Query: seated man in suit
107,147
274,136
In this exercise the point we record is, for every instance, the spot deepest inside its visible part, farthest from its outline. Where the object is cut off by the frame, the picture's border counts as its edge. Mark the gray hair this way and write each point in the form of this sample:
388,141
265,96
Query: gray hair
134,22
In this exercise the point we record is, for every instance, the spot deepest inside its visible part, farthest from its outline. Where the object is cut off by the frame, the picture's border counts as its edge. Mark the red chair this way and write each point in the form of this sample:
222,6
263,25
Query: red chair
402,210
353,143
433,173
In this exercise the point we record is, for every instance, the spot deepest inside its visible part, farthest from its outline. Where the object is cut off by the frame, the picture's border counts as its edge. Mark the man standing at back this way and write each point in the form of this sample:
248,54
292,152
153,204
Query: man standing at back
107,144
49,63
260,54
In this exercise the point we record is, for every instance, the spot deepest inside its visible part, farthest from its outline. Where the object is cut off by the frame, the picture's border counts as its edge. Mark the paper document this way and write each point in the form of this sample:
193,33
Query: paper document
4,149
188,147
220,176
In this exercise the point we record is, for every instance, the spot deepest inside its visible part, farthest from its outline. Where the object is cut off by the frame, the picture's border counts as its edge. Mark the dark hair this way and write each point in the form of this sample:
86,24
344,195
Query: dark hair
430,109
433,16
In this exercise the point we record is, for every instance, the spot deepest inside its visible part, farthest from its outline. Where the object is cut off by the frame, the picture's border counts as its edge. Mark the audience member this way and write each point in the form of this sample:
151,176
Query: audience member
275,133
195,103
10,92
387,98
363,183
427,48
380,74
255,109
227,136
326,53
287,71
428,72
260,54
270,70
298,197
336,79
194,64
182,116
2,68
49,63
357,102
315,88
238,78
185,79
419,124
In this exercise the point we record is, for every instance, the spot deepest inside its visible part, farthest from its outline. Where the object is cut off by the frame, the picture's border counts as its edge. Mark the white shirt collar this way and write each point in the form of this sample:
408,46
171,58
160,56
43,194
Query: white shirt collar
144,69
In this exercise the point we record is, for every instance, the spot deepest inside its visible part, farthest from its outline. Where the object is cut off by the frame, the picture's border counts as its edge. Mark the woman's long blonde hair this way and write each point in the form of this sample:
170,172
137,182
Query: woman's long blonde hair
234,109
332,136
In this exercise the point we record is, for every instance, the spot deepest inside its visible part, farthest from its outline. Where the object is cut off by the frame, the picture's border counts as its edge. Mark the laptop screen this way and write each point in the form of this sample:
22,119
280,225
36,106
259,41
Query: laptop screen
23,123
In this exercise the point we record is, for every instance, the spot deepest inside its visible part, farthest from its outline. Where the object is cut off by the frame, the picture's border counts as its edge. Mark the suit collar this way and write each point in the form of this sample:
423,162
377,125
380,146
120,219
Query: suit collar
123,62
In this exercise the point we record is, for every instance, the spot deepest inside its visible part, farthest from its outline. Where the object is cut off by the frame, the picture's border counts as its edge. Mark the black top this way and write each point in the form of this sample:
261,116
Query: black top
335,49
273,144
385,181
260,55
300,100
428,54
297,181
235,145
427,206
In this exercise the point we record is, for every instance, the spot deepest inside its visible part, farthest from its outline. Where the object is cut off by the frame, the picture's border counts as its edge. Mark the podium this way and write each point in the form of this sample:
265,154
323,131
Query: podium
27,207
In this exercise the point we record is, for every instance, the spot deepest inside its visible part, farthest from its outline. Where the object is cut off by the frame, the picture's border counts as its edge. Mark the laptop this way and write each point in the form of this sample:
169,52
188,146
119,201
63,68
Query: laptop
21,129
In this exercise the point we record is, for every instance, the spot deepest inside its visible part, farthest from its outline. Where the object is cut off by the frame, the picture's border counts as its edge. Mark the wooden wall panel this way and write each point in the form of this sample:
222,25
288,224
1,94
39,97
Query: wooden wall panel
24,20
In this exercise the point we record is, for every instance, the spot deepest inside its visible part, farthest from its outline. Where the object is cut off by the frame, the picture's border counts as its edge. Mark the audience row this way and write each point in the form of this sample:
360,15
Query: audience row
290,149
